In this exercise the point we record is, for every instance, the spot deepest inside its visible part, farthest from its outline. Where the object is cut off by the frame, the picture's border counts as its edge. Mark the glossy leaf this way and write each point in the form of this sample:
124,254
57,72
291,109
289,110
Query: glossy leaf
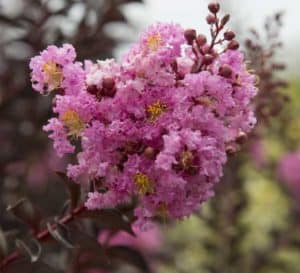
30,247
61,234
26,212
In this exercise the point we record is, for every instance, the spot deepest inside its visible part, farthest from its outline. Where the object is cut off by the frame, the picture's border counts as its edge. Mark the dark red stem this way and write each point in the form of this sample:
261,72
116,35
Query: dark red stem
43,235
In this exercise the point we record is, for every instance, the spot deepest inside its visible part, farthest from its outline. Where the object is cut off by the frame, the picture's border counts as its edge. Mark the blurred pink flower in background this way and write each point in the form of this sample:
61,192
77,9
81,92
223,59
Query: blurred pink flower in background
289,171
43,169
148,242
258,153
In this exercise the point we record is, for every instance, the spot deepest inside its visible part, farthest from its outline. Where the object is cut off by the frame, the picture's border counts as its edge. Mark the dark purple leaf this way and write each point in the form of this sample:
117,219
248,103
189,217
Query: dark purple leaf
111,219
26,212
61,234
30,247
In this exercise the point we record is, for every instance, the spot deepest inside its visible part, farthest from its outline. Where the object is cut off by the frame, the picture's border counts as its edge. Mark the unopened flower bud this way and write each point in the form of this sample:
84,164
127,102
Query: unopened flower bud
201,40
190,35
225,71
229,35
225,20
109,88
150,153
233,45
108,83
211,19
214,7
207,59
241,139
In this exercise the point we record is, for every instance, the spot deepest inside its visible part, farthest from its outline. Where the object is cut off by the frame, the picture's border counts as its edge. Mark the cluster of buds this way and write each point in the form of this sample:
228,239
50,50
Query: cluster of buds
206,51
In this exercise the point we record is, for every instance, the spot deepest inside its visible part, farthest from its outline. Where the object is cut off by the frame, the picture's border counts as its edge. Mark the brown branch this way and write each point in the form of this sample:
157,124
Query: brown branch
43,235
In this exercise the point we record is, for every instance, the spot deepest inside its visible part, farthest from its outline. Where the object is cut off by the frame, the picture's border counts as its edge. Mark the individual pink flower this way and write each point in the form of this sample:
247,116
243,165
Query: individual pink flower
48,68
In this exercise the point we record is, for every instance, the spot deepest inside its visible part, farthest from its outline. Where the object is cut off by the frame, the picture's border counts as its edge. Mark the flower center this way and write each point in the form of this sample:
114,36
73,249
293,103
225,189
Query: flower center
186,163
73,122
186,159
53,73
143,183
154,42
155,109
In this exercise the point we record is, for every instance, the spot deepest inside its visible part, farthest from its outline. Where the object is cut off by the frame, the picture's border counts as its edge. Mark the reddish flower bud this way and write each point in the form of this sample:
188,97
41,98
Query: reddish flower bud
225,20
108,83
150,153
190,35
233,45
229,35
241,139
211,19
225,71
214,7
201,40
207,59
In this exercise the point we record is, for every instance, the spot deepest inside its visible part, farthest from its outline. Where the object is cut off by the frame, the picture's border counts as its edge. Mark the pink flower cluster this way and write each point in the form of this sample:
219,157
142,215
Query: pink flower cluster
150,126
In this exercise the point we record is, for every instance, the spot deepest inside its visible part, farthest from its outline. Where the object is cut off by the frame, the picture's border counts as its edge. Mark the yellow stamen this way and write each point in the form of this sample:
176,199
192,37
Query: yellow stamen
73,122
53,73
143,183
155,109
154,42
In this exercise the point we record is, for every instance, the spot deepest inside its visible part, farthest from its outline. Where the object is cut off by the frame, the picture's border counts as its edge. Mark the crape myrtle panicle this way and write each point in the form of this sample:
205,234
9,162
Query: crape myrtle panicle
158,125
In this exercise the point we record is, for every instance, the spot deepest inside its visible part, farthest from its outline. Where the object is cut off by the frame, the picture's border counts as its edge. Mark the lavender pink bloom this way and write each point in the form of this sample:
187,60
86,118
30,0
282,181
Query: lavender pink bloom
148,127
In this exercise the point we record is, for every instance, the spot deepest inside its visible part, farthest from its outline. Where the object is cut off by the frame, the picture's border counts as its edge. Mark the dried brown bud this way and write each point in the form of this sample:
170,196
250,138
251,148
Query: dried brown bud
150,153
225,71
207,59
190,35
201,40
233,45
211,19
225,20
229,35
214,7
